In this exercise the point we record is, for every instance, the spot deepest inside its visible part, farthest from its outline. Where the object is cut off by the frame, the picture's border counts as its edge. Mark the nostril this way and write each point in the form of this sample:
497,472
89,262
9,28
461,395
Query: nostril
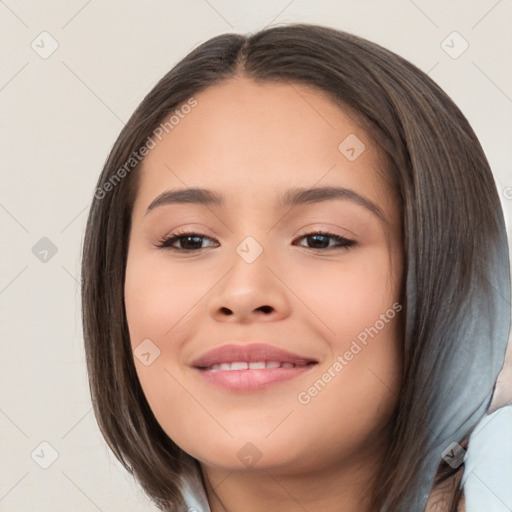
226,310
265,309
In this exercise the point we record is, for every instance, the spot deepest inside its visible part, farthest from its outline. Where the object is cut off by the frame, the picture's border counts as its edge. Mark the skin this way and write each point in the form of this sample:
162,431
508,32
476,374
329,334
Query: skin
252,142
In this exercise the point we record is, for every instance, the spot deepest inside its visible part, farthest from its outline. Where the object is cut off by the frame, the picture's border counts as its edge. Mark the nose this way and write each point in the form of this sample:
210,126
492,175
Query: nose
249,292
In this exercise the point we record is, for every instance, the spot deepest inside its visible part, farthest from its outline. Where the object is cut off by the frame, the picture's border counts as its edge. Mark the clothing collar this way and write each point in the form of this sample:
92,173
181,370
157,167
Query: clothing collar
192,487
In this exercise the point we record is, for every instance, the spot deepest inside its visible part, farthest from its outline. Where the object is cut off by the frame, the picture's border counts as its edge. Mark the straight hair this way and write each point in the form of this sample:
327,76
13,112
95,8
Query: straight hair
456,294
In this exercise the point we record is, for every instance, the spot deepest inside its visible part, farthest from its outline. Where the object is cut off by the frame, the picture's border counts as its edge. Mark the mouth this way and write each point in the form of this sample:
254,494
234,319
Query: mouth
253,365
250,367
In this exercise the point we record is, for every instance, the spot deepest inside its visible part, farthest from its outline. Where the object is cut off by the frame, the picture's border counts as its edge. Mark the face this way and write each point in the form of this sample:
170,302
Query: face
303,325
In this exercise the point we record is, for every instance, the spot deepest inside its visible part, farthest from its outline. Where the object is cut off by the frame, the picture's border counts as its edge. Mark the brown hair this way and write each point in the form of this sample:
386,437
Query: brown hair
457,280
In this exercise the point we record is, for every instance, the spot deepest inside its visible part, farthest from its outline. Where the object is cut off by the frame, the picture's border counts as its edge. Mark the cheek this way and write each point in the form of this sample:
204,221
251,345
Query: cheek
164,303
158,303
354,393
349,296
341,414
159,298
358,385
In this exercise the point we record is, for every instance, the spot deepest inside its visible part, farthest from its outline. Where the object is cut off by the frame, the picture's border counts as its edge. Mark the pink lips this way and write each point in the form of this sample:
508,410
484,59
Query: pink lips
250,367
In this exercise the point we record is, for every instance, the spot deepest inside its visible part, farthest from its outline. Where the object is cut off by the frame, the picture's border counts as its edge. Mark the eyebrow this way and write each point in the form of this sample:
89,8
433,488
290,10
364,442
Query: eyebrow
292,197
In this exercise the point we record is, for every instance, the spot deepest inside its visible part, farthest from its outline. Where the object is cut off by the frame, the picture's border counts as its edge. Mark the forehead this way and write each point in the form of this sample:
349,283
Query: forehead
254,140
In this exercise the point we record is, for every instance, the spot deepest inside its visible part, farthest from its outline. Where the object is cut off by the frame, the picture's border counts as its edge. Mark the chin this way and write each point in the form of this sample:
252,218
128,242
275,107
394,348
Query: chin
246,453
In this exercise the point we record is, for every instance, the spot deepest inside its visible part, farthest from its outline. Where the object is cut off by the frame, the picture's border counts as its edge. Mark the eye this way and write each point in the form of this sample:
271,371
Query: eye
320,240
190,242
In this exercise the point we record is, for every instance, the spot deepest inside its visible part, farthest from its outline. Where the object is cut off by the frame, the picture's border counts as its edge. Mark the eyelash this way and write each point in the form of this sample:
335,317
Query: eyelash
165,243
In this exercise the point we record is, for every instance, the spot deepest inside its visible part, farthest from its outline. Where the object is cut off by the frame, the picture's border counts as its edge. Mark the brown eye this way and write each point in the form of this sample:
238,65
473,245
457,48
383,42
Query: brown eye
320,240
189,242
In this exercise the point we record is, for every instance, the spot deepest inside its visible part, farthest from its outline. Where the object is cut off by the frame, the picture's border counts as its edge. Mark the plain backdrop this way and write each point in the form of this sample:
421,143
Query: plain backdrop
71,74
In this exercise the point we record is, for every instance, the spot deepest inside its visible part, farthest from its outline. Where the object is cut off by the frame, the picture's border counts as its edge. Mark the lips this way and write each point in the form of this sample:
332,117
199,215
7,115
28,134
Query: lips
249,368
244,357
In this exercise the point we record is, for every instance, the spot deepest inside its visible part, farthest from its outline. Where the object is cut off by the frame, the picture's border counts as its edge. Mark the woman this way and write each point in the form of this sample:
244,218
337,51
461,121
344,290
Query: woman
271,368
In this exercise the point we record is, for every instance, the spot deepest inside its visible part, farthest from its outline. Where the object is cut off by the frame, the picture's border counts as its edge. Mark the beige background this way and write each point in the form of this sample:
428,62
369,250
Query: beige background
60,114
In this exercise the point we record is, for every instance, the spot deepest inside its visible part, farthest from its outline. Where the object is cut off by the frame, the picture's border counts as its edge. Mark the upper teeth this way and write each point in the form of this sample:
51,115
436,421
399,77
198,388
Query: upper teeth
253,365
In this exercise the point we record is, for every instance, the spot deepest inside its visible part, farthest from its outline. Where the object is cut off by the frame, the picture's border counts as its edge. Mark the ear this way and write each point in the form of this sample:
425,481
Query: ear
503,390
